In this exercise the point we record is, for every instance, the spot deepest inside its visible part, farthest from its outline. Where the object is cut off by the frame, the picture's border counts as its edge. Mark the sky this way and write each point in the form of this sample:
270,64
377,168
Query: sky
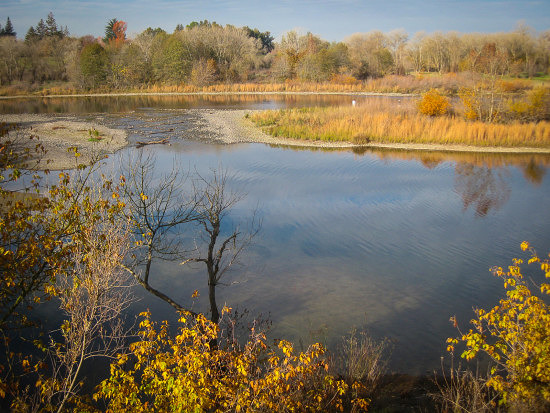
332,20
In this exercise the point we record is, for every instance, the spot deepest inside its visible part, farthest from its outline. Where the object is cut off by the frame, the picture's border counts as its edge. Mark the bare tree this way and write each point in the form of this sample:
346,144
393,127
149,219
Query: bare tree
177,221
220,252
158,209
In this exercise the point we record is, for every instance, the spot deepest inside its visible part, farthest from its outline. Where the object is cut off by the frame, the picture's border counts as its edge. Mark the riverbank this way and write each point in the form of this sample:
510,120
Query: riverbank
227,126
59,134
211,93
399,126
236,126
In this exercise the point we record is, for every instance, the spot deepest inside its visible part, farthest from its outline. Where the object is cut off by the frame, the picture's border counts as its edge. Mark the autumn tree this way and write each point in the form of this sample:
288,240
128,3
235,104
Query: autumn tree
291,51
484,100
184,373
115,31
369,54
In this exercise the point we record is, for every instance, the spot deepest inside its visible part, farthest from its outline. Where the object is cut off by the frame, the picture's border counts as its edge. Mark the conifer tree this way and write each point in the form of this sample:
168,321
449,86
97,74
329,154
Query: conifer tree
31,35
8,29
41,29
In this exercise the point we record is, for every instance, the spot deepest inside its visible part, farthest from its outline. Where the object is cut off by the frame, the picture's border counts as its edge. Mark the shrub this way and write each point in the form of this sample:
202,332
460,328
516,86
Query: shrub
343,79
186,374
534,107
482,102
433,103
516,336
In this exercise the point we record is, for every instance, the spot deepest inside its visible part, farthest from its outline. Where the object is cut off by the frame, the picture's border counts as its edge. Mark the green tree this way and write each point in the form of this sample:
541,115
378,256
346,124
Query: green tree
264,37
109,32
51,27
41,29
94,63
8,29
31,35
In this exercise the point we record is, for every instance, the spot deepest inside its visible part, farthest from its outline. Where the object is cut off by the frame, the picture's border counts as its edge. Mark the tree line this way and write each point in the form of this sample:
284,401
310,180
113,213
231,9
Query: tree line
203,53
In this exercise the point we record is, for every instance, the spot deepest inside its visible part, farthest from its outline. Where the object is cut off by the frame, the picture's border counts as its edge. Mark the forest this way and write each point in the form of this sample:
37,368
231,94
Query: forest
206,53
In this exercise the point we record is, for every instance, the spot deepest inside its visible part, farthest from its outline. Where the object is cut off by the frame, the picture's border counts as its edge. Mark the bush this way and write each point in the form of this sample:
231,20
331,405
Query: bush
482,102
186,373
516,336
534,107
433,103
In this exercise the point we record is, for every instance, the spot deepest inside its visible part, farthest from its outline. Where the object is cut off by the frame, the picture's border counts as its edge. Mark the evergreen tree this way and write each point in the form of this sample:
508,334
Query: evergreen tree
264,37
31,35
41,29
8,29
51,26
109,32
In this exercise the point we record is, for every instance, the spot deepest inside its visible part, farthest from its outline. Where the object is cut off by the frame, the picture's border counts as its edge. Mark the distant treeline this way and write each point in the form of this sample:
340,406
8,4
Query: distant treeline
204,53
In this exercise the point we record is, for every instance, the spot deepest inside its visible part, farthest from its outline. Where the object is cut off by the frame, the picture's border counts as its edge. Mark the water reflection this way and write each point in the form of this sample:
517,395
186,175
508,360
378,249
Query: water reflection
123,104
481,187
534,172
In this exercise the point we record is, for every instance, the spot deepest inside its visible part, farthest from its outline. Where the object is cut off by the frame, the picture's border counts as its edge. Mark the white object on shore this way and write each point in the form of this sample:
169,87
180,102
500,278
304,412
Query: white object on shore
353,102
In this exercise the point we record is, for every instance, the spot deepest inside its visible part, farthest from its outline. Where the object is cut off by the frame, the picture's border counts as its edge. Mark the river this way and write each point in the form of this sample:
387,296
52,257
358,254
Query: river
390,242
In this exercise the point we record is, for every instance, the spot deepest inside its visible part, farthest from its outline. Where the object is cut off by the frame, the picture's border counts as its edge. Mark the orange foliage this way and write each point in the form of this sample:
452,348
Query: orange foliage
119,29
433,103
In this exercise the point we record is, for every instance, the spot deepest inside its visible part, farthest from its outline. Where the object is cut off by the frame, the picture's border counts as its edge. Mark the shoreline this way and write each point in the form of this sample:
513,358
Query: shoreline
227,126
59,134
233,123
122,94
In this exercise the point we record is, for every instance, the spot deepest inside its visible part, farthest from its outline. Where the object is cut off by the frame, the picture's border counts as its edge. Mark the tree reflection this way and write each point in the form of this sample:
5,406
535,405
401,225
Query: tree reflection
481,187
534,172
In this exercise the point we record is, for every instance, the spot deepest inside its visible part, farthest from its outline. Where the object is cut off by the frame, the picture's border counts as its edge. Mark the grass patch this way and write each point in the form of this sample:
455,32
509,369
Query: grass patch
388,121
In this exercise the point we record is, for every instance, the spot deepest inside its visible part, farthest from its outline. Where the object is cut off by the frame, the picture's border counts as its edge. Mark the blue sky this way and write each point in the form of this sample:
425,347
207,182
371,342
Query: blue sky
331,19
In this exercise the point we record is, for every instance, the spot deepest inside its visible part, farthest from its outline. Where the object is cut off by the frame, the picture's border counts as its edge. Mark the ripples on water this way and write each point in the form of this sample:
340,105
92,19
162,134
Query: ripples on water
375,241
392,242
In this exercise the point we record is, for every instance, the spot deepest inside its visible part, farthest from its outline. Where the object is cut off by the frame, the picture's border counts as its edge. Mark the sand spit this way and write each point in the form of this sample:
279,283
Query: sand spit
59,134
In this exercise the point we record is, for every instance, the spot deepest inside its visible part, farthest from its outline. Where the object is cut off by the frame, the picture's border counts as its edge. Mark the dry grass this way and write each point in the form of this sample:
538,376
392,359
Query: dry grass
464,391
391,121
449,83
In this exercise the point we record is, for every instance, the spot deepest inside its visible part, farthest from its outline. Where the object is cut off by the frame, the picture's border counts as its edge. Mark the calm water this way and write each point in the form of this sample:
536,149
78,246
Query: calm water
386,241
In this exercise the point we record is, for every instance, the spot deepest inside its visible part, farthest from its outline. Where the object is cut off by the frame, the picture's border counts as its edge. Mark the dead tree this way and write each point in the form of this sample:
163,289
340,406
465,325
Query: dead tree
220,252
159,207
168,210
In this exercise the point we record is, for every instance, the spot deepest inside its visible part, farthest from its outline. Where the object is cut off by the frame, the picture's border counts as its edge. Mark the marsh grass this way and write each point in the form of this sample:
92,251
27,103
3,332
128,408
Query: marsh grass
396,121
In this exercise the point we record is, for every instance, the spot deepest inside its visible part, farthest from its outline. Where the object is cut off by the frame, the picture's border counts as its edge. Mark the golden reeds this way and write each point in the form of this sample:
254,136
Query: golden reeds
386,123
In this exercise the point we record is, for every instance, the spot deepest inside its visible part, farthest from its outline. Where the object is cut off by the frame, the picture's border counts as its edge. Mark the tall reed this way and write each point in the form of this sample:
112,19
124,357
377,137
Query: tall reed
395,122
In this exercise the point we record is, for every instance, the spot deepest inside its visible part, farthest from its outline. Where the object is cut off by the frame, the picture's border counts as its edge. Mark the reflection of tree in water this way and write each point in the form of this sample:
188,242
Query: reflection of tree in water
534,172
481,187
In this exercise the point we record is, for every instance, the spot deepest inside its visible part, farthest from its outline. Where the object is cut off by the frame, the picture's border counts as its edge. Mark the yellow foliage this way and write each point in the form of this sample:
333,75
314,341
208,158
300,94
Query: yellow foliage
533,107
433,103
516,335
187,373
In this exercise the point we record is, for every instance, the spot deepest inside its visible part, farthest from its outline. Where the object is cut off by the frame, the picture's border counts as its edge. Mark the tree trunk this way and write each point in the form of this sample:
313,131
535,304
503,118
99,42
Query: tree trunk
215,318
